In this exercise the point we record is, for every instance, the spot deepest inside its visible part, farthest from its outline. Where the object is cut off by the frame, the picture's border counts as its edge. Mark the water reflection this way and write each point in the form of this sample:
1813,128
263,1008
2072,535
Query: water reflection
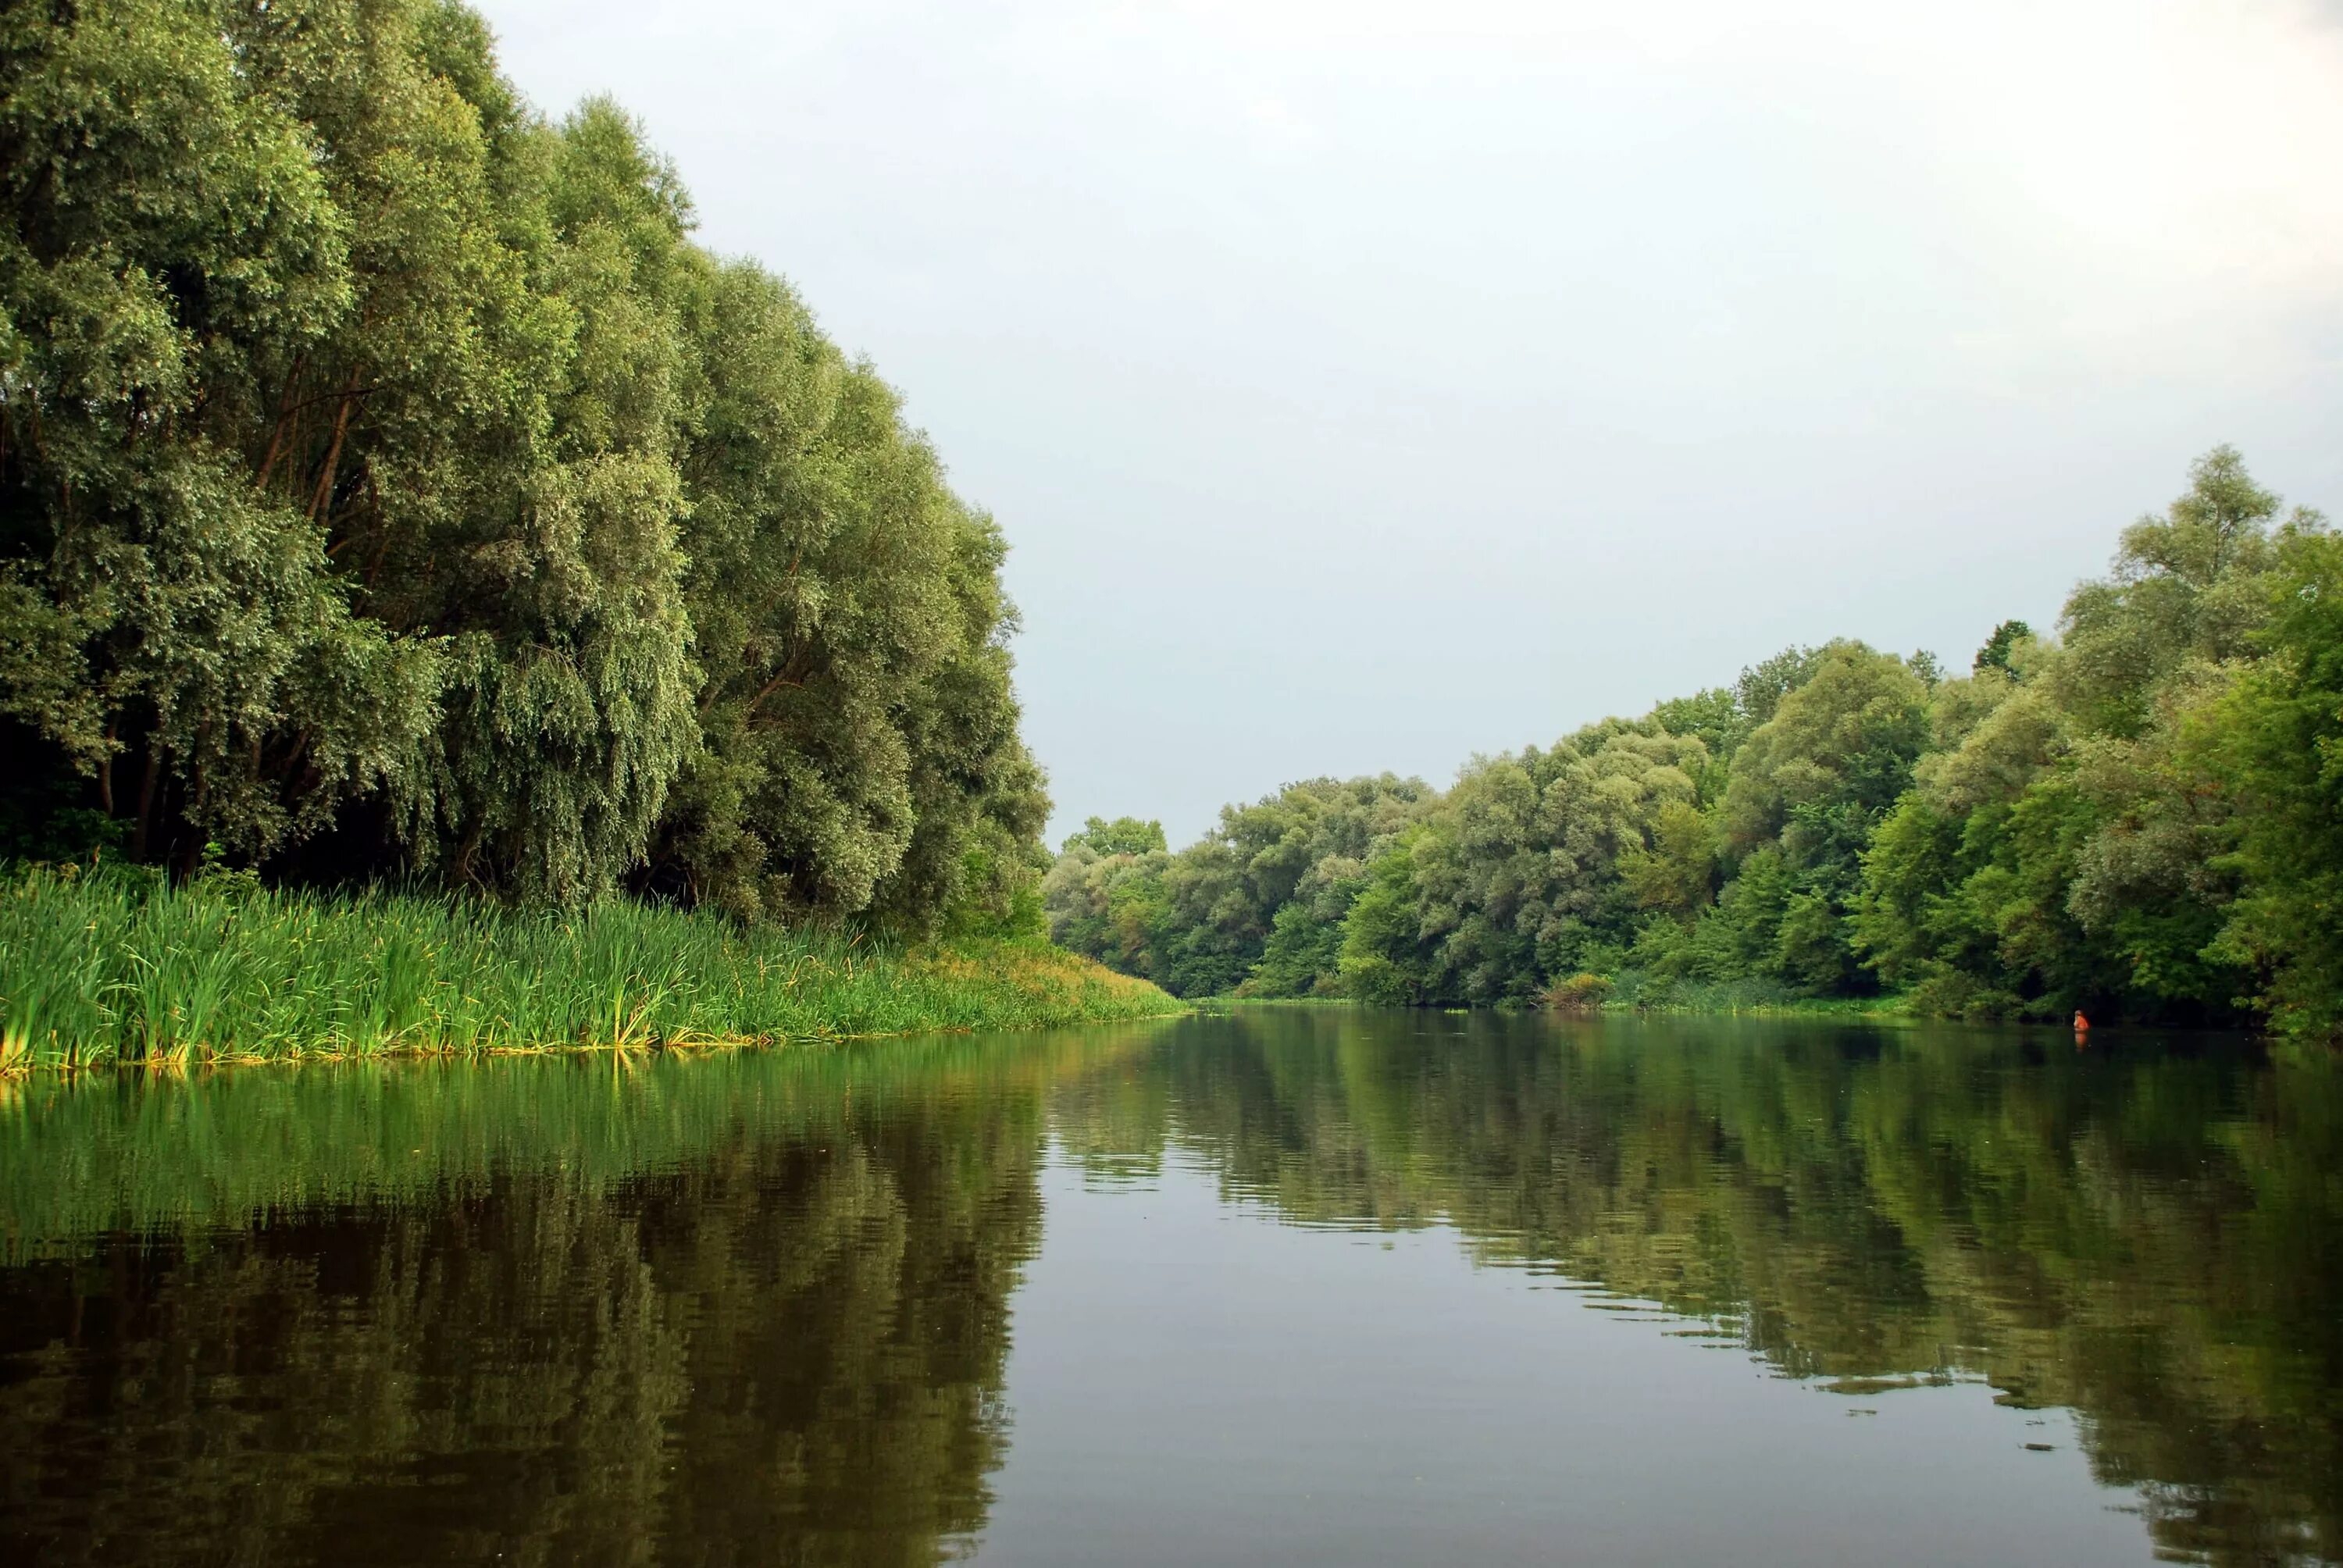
2151,1233
711,1312
757,1307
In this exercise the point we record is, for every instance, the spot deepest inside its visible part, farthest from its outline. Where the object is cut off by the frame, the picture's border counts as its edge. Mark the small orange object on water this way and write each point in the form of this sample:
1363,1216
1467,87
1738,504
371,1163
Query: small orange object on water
2081,1023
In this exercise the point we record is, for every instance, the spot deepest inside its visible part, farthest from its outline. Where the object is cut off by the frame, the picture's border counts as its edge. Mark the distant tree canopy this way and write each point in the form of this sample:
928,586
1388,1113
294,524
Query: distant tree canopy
2141,817
1995,654
1123,836
1271,884
388,482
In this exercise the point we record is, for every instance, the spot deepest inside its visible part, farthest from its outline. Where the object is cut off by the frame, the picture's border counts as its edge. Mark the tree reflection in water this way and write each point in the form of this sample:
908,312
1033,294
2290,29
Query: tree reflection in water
757,1307
2151,1232
705,1311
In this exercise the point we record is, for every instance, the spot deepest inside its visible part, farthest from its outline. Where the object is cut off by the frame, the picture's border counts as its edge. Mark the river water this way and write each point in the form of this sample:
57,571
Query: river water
1294,1284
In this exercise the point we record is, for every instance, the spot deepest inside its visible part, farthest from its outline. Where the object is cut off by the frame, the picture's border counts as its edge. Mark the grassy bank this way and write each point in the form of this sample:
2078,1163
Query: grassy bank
105,969
1633,992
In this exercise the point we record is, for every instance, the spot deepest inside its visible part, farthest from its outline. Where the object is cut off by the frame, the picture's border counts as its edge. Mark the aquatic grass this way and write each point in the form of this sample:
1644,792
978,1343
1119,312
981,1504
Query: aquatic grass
121,969
1634,991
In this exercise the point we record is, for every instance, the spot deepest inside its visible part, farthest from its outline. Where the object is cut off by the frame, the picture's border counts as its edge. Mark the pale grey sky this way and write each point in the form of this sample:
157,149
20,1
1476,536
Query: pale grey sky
1363,384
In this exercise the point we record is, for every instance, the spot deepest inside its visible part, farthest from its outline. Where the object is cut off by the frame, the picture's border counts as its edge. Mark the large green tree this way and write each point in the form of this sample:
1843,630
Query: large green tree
387,471
172,628
2064,848
2273,741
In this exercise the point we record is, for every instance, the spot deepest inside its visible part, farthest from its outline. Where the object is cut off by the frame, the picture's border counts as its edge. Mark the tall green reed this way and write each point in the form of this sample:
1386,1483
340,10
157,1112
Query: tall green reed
118,967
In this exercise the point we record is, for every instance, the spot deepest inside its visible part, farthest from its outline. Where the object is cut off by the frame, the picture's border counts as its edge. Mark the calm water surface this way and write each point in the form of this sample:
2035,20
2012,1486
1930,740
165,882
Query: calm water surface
1300,1285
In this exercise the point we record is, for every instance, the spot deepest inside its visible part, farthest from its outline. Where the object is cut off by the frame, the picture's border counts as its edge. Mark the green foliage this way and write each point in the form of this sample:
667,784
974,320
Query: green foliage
2274,737
1520,876
1763,686
1995,654
1815,779
2188,587
388,482
1836,753
1303,955
2069,845
1123,836
1260,902
1385,955
2138,818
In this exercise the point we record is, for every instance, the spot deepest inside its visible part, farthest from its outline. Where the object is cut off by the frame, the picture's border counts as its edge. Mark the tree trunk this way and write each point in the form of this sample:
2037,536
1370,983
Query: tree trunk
143,831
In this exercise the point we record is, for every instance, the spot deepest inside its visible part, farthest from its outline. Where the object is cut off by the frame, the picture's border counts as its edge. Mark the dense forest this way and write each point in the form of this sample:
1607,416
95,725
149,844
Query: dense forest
2140,816
391,488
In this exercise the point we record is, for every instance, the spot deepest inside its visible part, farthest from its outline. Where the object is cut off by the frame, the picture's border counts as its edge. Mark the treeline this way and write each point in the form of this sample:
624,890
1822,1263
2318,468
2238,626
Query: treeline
389,486
2140,816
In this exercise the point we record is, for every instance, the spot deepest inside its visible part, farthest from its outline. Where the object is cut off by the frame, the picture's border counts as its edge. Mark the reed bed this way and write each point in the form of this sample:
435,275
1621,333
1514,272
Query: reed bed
115,969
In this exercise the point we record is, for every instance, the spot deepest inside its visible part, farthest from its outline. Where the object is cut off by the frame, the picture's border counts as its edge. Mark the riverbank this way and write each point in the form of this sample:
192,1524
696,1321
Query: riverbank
1680,999
1633,993
104,970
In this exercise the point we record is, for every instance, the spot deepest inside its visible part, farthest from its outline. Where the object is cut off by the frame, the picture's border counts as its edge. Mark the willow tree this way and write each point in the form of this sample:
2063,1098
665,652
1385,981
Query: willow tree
568,712
1808,788
171,625
382,458
2070,842
860,735
2273,741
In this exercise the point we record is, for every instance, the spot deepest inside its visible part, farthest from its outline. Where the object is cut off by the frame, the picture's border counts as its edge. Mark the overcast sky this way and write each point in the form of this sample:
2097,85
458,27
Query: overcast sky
1363,385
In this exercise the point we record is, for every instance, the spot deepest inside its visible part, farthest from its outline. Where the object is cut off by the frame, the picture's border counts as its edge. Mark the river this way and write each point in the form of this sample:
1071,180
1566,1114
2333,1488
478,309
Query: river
1296,1284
